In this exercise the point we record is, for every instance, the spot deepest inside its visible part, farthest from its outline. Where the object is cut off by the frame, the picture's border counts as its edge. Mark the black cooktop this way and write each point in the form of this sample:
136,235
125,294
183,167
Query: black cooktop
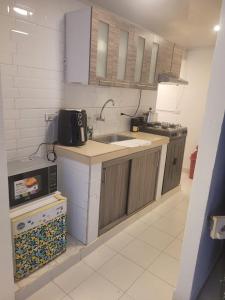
166,129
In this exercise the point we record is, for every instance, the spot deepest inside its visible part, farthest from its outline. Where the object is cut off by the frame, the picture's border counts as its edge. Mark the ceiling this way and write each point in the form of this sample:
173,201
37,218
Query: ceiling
187,22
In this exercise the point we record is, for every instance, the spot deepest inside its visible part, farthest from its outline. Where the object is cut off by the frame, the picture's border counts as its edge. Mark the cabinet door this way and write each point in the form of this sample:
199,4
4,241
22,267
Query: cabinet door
114,193
143,179
177,60
103,35
124,54
165,56
174,162
143,52
152,69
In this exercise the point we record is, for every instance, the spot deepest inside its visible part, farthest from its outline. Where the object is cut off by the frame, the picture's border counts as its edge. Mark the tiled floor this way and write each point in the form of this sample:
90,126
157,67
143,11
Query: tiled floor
139,263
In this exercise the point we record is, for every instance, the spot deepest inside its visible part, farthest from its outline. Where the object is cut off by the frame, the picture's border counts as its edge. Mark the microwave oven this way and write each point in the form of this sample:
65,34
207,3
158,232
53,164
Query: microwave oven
30,179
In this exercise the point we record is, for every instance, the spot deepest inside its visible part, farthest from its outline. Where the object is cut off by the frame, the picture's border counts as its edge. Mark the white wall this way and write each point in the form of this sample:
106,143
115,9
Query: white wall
188,102
6,270
32,67
92,98
199,252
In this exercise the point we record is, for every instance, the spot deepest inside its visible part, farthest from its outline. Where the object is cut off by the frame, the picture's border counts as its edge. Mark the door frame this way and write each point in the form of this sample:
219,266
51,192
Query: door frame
6,263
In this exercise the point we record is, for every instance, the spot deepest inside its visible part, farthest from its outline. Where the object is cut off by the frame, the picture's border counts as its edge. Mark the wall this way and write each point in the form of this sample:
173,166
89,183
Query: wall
32,68
6,269
188,102
198,251
92,98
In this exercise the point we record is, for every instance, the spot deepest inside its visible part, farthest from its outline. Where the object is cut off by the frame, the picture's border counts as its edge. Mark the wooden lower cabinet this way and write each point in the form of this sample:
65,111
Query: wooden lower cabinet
143,179
114,193
174,162
128,184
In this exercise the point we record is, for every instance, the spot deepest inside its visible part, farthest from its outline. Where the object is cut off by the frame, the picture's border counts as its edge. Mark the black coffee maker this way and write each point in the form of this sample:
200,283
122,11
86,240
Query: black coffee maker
72,127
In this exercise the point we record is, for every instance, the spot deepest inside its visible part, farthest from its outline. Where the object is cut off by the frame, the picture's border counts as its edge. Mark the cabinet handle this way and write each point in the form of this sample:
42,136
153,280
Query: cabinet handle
174,161
105,82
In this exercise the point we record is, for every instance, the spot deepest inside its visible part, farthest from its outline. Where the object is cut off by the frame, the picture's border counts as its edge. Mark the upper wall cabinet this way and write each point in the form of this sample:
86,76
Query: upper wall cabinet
169,57
90,50
165,56
146,53
178,53
124,53
103,49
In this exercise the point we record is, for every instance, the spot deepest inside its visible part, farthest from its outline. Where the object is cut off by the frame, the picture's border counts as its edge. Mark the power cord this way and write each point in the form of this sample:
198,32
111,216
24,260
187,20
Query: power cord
139,103
50,154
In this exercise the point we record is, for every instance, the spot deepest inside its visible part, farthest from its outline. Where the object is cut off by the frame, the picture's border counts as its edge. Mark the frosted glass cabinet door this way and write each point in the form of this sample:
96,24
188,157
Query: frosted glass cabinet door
154,54
139,58
122,59
102,49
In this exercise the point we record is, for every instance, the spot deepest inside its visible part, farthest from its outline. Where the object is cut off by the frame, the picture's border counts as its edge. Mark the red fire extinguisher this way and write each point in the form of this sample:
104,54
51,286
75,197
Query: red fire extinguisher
193,159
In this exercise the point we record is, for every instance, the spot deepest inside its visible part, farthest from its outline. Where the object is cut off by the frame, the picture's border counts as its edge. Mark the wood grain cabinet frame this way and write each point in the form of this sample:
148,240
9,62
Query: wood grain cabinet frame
165,56
122,26
146,64
178,53
83,30
143,179
99,15
128,185
114,193
170,57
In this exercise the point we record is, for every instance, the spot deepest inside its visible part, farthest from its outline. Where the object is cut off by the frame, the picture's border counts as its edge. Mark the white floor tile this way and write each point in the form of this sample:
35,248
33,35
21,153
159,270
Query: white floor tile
181,235
166,268
170,226
71,278
136,228
163,209
174,249
121,272
140,253
98,257
119,241
156,238
177,216
182,206
48,292
96,288
67,298
150,218
126,297
16,287
149,287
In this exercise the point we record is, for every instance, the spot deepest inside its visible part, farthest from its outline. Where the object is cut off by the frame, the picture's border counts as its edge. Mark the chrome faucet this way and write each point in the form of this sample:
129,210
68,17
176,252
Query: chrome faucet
100,118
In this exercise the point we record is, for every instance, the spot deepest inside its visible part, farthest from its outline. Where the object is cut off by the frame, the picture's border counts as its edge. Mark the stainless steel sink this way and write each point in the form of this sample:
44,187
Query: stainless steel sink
111,138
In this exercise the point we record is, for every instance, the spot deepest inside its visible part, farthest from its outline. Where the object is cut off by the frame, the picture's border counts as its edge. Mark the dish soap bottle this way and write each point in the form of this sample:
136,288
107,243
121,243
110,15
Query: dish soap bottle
149,117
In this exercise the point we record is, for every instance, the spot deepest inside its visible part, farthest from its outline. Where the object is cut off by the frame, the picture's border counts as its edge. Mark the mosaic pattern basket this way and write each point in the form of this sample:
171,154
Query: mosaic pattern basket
38,246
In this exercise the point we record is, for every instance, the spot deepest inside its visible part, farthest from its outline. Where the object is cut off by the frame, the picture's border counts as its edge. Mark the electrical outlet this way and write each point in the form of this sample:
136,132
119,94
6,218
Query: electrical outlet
49,117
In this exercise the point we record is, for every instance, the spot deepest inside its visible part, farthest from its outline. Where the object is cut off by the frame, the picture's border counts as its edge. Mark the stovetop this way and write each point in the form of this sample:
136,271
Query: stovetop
166,129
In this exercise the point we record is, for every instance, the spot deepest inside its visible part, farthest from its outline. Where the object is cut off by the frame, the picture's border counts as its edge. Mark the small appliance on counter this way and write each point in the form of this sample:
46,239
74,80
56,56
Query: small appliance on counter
136,124
30,179
38,233
175,149
72,127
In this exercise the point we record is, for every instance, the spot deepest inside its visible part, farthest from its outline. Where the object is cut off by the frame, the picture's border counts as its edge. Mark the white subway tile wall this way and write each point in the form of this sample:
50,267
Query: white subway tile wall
32,79
91,98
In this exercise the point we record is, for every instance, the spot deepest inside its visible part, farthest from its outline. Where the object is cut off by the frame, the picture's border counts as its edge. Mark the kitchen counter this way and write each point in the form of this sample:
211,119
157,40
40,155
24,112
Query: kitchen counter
94,152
